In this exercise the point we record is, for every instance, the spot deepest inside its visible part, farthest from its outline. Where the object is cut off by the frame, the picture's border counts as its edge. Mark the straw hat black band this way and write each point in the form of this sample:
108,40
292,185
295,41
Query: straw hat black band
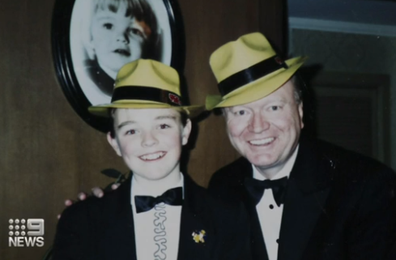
251,74
146,93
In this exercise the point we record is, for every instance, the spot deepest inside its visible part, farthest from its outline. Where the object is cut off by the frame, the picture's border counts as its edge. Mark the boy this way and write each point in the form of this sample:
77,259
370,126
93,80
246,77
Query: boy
159,213
119,31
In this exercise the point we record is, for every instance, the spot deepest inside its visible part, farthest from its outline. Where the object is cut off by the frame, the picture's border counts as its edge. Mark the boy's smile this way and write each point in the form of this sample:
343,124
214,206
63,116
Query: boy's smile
152,156
150,141
123,51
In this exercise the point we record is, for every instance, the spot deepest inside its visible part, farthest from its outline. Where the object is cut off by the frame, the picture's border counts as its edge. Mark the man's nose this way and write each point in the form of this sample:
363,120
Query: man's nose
149,140
258,123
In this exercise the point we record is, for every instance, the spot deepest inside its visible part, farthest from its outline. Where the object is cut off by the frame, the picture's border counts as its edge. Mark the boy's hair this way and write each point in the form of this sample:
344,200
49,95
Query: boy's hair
183,120
140,9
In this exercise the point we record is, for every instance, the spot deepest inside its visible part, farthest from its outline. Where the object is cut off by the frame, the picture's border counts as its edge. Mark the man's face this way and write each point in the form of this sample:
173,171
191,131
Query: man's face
266,131
116,39
150,141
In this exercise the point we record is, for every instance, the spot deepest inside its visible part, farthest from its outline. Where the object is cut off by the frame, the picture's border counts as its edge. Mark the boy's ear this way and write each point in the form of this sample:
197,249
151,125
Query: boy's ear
113,143
186,132
89,48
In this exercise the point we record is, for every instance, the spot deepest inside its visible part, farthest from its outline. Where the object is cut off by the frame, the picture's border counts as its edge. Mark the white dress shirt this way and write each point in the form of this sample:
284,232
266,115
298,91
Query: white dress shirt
269,214
156,230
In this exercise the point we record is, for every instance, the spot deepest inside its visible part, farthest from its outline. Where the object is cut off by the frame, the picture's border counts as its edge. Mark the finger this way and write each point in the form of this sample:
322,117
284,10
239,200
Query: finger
68,203
115,186
59,216
82,196
97,192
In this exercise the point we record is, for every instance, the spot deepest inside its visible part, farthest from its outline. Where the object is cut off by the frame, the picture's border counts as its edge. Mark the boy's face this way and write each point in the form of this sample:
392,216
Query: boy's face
150,141
116,39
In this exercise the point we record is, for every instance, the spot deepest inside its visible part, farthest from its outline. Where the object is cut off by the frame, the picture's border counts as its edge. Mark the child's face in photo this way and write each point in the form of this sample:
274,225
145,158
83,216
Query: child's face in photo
117,39
150,141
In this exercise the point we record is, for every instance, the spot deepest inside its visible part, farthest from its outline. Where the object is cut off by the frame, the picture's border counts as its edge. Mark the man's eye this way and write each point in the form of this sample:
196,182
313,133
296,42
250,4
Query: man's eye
164,126
274,108
240,113
108,26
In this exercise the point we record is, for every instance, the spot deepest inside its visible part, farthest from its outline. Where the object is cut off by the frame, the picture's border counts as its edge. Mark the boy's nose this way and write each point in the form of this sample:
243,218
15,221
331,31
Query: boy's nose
149,140
122,37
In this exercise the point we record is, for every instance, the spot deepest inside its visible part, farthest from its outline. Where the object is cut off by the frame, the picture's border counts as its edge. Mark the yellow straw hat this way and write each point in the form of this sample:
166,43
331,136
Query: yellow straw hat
248,69
146,84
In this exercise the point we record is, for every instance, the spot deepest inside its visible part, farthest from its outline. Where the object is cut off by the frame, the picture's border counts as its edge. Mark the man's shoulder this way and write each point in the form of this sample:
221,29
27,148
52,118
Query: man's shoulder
348,159
346,166
232,174
240,167
199,197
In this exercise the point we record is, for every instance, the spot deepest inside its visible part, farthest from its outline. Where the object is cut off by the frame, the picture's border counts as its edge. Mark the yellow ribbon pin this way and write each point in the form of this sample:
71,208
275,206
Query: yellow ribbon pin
199,237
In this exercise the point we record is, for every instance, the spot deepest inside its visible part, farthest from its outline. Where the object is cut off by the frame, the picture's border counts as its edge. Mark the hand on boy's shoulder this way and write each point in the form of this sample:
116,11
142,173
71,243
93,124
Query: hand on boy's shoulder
81,196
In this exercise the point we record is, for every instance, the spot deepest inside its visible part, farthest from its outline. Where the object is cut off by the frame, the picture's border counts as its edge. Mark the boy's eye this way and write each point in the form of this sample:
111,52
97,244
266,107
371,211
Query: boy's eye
130,132
108,26
137,32
164,126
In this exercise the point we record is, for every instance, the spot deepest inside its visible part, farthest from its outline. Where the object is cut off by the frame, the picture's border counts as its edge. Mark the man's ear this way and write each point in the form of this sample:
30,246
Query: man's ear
113,143
301,113
186,131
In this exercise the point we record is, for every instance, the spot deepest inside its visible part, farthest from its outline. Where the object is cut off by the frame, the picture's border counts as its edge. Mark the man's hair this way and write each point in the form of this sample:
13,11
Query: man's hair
299,87
141,10
183,120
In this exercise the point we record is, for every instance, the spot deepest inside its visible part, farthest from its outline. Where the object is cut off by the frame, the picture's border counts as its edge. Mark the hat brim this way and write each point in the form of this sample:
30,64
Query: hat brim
257,89
103,110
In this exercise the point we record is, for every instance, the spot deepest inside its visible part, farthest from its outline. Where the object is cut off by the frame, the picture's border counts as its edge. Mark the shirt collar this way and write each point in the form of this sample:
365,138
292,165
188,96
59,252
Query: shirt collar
137,189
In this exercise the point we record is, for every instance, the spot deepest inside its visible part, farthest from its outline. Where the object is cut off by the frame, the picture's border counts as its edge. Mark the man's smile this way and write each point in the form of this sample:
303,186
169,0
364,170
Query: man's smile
264,141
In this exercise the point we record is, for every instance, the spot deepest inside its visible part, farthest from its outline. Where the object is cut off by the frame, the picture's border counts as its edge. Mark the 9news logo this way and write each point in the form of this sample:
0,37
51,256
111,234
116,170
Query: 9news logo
26,233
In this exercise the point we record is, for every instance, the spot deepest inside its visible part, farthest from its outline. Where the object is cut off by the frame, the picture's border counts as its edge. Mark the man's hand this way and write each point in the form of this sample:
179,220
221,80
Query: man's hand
96,191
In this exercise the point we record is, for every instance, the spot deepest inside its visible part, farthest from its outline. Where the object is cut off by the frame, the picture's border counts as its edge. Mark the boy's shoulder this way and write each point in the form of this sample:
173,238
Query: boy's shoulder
94,207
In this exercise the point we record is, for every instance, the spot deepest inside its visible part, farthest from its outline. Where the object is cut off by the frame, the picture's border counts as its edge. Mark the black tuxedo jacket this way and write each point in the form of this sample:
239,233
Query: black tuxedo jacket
338,205
104,229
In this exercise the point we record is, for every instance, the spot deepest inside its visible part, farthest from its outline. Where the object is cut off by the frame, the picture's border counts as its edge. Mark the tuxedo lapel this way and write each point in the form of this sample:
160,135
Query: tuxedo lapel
307,191
195,218
119,236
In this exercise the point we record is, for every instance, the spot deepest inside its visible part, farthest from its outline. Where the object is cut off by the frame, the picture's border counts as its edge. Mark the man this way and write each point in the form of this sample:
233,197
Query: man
159,213
307,199
320,201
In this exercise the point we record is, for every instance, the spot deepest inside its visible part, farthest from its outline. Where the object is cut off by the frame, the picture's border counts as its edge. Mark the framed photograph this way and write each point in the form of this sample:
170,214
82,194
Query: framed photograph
93,39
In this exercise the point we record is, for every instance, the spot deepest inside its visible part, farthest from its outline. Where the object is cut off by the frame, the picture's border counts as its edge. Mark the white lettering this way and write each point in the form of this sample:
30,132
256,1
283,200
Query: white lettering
36,226
40,242
12,241
30,241
25,241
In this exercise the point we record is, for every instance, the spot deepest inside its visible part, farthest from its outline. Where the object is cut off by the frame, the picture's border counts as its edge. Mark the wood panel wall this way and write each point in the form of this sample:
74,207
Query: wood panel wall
47,153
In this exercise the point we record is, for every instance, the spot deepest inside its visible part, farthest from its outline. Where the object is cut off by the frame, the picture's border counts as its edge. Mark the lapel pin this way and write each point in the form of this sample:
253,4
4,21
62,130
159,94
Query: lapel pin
199,237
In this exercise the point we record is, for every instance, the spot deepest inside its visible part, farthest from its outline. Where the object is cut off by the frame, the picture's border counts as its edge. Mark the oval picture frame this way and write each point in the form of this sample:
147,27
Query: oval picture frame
77,47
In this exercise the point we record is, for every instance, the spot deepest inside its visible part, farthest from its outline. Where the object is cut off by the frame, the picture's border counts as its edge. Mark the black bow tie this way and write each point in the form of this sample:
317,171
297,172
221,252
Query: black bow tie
171,197
256,189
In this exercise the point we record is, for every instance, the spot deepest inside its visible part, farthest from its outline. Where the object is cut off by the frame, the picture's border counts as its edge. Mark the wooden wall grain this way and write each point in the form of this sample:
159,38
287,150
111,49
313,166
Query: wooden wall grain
47,153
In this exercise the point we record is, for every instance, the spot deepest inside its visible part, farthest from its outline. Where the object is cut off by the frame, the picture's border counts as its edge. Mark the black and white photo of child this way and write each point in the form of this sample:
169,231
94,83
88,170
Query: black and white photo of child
106,34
